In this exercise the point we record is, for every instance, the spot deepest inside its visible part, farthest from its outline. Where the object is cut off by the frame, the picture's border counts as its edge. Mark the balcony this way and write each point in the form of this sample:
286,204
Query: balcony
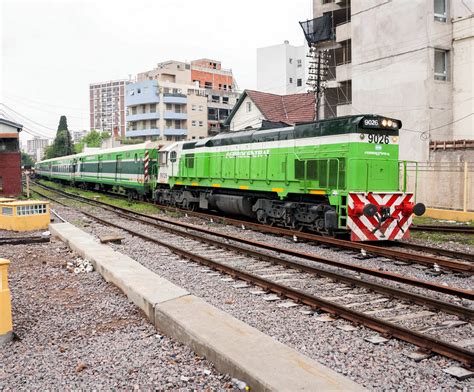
344,72
175,98
142,132
343,32
175,116
175,132
344,110
141,99
143,116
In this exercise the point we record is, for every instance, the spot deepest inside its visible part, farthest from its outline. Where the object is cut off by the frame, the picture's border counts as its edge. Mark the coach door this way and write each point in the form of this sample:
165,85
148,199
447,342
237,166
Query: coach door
118,167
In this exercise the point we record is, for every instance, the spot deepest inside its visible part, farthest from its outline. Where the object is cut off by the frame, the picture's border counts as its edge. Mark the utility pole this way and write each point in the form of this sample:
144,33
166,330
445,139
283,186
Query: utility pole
318,72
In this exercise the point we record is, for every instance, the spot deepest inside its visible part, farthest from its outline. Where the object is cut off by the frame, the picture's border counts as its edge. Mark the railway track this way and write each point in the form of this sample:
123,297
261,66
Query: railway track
444,228
465,266
247,263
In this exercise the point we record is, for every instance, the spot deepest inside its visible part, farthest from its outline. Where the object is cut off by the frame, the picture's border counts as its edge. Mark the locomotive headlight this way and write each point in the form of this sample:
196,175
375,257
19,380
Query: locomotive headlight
394,139
384,122
389,123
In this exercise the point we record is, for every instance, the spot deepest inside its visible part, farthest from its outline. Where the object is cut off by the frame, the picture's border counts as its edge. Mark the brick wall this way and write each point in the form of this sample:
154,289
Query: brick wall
211,77
10,173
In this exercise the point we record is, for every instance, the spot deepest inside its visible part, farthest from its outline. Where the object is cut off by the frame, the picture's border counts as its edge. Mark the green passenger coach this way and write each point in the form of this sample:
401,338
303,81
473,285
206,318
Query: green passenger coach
130,169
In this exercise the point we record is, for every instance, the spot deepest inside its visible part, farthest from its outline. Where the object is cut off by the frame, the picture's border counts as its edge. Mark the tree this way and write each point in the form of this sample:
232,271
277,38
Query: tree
26,160
92,139
62,144
63,124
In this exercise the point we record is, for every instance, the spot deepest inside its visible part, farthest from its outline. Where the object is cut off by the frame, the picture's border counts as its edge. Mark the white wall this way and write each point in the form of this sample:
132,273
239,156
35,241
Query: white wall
244,119
463,81
393,69
274,69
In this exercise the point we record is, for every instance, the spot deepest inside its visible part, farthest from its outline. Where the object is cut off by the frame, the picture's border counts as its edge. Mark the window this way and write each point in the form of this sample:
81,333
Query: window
152,108
291,80
193,108
440,64
290,60
31,209
132,92
139,91
189,161
201,123
193,123
7,211
153,124
299,63
169,106
299,82
225,99
440,10
173,156
200,108
249,107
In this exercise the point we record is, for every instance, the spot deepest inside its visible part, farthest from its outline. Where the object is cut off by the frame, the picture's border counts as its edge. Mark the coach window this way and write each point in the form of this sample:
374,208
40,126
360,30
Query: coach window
136,157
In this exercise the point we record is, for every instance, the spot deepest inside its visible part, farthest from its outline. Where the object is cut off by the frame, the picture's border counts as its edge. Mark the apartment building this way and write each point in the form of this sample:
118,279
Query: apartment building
162,106
282,69
220,86
35,147
185,100
107,107
408,59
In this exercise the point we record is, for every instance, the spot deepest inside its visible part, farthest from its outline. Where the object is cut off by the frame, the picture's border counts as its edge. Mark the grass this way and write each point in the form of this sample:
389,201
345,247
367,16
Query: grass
137,206
423,220
464,239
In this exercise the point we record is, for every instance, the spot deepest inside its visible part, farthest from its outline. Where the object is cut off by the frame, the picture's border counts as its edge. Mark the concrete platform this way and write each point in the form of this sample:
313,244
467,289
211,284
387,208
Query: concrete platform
233,346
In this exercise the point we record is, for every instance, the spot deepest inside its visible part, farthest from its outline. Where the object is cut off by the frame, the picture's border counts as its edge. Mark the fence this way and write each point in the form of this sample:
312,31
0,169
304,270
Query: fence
446,185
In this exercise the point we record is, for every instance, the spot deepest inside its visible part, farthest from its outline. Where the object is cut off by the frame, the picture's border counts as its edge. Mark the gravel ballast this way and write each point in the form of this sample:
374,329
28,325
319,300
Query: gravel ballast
378,367
75,331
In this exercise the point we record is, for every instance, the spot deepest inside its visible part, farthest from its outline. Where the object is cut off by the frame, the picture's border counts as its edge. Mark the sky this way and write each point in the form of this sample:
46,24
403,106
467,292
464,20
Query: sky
52,50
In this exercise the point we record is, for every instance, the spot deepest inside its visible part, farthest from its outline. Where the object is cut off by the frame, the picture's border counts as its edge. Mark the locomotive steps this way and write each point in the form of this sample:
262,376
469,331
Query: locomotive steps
233,346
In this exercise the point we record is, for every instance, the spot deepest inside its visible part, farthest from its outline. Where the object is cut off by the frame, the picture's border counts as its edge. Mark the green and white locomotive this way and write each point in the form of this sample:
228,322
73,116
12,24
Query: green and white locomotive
329,176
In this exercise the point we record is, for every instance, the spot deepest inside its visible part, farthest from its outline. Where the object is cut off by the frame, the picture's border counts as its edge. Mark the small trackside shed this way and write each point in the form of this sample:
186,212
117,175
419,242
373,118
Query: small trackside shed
10,158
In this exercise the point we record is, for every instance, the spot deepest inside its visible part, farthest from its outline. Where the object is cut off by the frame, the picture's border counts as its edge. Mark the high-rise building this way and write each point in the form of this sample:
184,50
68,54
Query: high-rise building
404,59
36,146
281,69
107,107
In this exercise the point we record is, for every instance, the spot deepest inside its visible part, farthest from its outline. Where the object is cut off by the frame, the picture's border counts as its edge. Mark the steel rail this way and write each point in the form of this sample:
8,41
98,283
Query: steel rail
357,246
461,311
444,228
467,294
23,240
439,251
388,329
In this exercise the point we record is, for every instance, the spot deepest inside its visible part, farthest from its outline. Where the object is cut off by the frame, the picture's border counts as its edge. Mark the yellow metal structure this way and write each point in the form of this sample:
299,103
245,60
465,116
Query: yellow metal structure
6,325
24,215
460,216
